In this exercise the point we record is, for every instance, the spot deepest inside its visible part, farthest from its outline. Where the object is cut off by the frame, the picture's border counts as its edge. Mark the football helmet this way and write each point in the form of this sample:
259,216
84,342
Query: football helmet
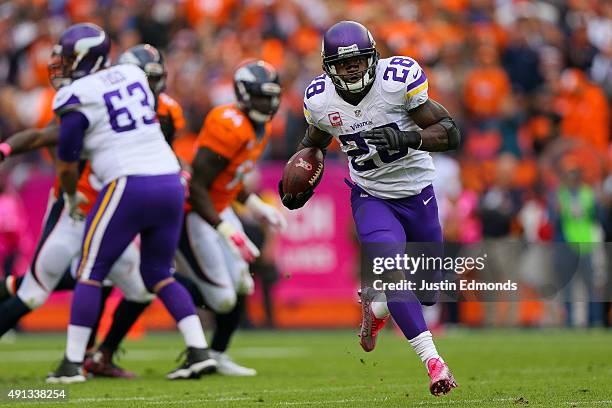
82,50
344,40
151,61
258,90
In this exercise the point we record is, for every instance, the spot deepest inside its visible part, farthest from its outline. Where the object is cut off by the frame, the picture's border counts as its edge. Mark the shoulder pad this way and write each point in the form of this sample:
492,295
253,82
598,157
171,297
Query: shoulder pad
65,100
228,116
316,96
401,77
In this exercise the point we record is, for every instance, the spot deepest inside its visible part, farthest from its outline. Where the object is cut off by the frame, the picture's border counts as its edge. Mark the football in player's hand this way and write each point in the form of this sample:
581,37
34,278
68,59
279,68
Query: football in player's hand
303,171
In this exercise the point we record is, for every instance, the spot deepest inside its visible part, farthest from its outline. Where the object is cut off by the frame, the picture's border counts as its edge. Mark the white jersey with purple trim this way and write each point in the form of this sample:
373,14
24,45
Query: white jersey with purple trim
124,137
399,86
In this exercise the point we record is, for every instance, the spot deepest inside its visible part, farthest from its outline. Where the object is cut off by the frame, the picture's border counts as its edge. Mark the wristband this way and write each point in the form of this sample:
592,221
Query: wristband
185,175
5,149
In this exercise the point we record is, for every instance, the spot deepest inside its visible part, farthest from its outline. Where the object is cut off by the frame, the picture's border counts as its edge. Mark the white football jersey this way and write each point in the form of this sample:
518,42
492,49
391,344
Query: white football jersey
124,137
399,86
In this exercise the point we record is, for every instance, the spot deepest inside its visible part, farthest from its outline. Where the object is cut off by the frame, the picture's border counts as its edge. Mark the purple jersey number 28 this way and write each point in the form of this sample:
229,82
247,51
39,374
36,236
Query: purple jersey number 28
316,87
394,66
115,113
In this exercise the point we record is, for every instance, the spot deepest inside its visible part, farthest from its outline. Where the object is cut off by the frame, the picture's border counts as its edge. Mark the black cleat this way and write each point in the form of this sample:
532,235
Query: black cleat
67,373
197,362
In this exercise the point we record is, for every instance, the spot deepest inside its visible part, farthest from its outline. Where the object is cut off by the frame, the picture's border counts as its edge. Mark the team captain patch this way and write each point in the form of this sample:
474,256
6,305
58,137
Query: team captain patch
335,119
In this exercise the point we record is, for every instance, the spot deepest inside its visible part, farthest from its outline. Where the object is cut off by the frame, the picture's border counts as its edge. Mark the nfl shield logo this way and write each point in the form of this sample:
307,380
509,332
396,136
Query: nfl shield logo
358,112
335,119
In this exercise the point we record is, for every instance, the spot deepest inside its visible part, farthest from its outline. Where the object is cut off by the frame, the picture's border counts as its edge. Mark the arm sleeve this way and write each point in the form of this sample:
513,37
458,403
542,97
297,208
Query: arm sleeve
73,125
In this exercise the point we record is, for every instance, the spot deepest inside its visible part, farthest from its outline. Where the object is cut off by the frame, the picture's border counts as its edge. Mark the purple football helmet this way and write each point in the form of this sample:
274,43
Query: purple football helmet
349,39
83,49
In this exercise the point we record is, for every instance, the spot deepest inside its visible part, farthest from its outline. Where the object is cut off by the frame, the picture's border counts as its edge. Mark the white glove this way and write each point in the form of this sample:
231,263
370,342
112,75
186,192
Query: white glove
73,203
239,243
266,212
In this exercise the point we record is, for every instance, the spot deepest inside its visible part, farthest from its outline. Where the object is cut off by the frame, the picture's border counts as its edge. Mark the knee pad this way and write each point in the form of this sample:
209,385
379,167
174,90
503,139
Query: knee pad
246,284
224,303
153,274
31,293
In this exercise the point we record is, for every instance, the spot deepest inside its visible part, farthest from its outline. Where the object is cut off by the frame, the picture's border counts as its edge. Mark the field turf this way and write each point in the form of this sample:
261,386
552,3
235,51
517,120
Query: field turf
328,369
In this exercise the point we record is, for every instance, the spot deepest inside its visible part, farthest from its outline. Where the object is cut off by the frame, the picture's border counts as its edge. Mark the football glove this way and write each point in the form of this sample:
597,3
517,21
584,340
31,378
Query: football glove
387,138
240,245
294,202
266,212
73,203
166,122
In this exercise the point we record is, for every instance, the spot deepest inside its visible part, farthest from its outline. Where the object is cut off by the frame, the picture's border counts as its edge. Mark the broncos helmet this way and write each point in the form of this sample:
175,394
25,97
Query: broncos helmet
258,90
151,61
349,39
82,49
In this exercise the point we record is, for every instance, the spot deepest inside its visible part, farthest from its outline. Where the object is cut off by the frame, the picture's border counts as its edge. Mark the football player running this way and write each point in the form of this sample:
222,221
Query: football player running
108,113
380,113
214,251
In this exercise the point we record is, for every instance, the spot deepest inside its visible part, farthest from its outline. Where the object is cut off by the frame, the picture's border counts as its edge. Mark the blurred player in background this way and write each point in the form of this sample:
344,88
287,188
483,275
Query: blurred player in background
108,113
61,237
392,198
214,251
49,265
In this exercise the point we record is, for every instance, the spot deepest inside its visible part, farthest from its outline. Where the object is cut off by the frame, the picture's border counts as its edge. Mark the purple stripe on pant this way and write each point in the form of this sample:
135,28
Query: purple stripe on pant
151,206
393,222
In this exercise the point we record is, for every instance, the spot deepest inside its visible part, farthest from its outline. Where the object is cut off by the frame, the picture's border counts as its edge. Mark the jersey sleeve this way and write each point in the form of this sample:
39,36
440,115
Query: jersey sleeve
315,99
66,100
169,106
416,88
221,136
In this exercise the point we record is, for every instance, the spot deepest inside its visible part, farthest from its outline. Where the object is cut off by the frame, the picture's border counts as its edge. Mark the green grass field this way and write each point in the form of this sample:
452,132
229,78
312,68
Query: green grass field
315,368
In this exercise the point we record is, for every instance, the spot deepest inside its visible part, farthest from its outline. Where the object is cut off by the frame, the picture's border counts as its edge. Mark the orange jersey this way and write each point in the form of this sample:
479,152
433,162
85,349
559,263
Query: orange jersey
228,132
88,183
166,105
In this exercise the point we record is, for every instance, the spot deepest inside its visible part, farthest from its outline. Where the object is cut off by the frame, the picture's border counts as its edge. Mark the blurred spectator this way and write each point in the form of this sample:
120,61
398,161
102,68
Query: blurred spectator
575,211
584,110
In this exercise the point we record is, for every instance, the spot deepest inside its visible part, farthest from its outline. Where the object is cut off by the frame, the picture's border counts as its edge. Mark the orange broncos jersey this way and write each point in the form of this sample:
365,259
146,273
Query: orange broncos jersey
88,183
228,132
168,106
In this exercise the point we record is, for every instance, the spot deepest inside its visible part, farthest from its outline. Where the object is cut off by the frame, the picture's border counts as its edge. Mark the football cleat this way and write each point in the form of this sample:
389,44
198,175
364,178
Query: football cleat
67,373
442,380
226,366
197,362
101,364
370,324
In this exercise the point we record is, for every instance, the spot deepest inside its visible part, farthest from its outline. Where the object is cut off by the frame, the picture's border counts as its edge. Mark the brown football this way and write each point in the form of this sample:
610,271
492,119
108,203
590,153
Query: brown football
303,170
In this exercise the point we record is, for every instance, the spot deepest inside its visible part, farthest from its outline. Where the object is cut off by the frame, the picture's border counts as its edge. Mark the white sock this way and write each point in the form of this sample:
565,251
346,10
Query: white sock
191,329
77,342
380,309
424,346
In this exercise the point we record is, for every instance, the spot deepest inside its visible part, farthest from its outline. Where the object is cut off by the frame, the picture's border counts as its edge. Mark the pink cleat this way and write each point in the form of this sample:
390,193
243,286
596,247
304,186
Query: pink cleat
370,324
101,364
442,380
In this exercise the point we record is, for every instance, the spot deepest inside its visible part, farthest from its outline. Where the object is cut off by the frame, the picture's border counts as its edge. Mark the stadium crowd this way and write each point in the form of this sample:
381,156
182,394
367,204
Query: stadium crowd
529,83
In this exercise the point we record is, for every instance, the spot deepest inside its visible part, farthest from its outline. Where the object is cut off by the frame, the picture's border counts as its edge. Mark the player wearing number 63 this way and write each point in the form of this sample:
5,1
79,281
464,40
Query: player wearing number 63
380,113
108,116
